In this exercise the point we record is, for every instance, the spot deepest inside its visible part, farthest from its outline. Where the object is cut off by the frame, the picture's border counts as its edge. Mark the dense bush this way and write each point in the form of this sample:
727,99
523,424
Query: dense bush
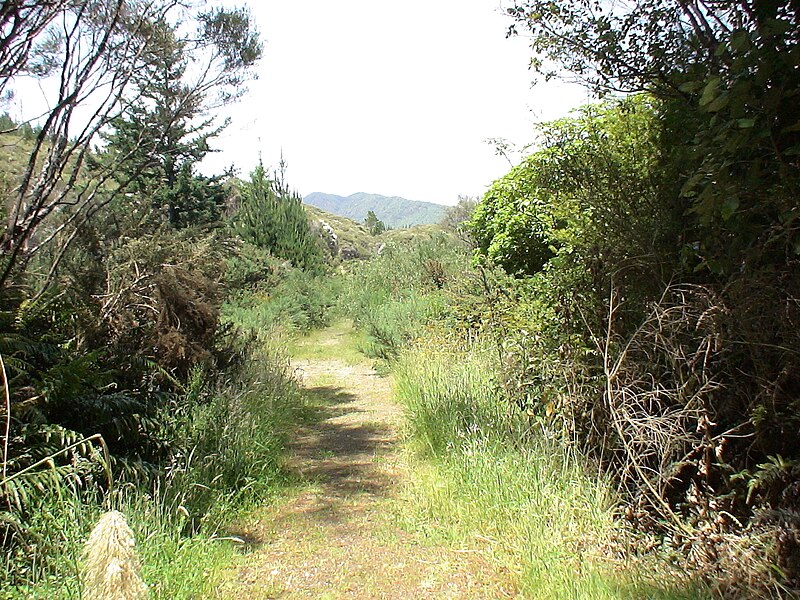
297,302
121,377
224,442
489,475
625,326
394,295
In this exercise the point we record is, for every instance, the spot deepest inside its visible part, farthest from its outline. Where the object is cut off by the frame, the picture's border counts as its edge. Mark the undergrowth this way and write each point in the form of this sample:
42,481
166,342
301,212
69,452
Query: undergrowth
229,461
490,477
298,303
392,297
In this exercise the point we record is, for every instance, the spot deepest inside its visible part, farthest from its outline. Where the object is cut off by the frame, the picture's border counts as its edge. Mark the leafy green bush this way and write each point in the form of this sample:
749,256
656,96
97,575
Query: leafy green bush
392,296
591,193
129,372
651,326
252,268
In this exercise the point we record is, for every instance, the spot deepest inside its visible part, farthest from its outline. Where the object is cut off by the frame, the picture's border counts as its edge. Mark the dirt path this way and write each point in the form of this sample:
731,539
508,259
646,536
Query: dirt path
340,536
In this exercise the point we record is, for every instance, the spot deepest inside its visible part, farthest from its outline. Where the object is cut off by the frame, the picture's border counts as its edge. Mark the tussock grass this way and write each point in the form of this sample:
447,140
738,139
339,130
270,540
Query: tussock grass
485,478
111,566
174,564
392,323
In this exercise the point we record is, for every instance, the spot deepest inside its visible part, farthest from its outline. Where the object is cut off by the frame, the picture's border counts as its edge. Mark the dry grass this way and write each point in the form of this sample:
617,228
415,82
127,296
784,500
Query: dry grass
111,567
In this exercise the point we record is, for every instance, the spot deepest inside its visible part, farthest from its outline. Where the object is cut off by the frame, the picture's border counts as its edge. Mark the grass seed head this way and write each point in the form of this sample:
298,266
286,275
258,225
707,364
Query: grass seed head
111,567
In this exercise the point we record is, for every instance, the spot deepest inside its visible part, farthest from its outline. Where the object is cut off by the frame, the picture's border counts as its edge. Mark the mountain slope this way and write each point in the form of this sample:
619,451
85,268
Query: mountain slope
354,235
392,210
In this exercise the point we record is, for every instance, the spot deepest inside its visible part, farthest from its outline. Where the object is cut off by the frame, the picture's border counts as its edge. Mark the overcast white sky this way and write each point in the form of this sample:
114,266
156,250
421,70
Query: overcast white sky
394,98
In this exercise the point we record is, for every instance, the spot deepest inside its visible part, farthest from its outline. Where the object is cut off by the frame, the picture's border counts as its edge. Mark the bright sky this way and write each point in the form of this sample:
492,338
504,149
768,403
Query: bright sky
393,98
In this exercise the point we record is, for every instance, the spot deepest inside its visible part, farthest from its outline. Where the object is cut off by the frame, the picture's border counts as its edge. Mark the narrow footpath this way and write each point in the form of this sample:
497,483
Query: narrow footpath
340,535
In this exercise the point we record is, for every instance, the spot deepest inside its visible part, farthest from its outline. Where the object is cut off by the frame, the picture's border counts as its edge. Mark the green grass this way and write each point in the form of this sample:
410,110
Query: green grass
231,462
174,565
339,341
531,503
393,297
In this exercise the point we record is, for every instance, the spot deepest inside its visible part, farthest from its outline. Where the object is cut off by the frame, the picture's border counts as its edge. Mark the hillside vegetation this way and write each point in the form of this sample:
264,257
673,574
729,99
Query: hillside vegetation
395,212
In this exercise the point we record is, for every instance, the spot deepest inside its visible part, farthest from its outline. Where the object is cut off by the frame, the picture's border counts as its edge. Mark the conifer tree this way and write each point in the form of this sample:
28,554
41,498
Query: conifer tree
273,218
165,130
374,225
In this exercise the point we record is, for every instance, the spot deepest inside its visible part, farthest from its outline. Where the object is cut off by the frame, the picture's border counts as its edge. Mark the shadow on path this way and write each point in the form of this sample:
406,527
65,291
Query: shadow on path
341,453
336,537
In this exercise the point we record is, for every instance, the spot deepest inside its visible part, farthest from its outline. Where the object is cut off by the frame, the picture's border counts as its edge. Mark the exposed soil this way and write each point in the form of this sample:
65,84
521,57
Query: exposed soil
339,537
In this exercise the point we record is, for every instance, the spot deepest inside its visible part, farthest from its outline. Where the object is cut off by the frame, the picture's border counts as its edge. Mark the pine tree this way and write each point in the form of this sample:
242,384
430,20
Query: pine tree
165,130
273,218
374,225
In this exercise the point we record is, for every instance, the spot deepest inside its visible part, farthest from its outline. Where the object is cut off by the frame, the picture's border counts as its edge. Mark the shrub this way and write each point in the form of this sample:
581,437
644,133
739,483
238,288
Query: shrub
393,296
298,302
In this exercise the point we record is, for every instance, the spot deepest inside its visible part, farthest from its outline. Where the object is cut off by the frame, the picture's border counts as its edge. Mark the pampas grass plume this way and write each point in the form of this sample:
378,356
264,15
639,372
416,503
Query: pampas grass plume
111,568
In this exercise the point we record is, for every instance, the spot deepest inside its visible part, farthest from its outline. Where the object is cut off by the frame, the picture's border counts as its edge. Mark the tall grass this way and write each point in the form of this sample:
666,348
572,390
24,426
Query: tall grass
393,296
298,303
391,324
229,459
174,565
488,478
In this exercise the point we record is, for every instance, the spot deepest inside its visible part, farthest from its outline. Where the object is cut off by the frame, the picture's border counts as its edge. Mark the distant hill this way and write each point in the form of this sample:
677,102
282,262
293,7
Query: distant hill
393,211
354,235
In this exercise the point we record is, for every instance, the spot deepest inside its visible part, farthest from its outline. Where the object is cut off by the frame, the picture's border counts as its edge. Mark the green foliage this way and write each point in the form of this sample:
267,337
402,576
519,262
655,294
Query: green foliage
272,218
101,379
591,190
232,34
298,302
491,478
373,224
231,437
452,399
124,389
391,325
157,141
225,437
154,73
639,297
729,76
578,218
457,217
394,295
511,226
249,267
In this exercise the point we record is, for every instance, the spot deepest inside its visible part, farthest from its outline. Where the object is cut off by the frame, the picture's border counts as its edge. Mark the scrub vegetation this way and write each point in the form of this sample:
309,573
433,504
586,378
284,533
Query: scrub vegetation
597,361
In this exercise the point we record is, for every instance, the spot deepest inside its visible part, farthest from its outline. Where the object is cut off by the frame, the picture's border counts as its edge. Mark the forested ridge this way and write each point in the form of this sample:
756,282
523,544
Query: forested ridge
393,211
597,360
